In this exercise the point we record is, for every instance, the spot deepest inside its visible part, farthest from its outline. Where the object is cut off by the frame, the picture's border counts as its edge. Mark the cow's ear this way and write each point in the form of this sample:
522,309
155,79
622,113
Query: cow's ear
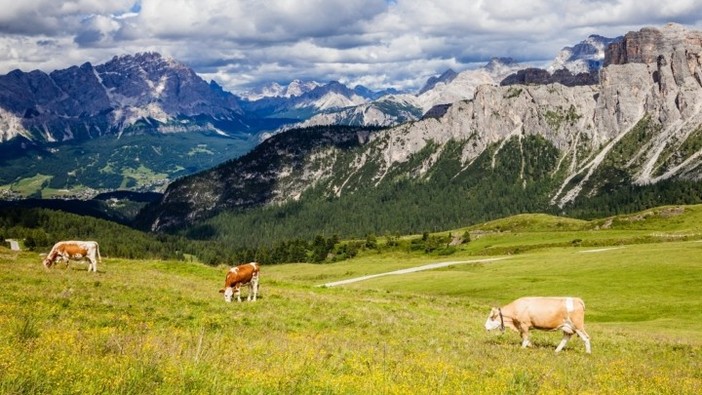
221,291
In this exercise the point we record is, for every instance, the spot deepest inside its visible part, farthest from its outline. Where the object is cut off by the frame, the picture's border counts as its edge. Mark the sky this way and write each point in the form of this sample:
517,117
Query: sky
376,43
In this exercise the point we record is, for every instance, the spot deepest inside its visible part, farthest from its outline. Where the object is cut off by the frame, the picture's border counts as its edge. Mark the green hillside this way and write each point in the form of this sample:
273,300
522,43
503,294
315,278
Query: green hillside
161,327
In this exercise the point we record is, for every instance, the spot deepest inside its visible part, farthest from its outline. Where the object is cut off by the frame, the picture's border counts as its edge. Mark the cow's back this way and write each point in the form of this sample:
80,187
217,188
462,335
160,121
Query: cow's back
72,248
77,247
548,312
241,274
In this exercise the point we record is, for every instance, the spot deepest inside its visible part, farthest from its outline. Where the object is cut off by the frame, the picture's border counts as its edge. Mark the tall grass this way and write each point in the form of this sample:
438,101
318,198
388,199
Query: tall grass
153,327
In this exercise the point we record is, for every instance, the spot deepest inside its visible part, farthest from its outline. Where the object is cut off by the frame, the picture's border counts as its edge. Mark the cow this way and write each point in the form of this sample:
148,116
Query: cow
238,276
546,313
74,250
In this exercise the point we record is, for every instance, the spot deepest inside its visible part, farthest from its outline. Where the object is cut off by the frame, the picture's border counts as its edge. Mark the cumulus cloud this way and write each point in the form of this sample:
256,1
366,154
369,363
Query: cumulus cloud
380,43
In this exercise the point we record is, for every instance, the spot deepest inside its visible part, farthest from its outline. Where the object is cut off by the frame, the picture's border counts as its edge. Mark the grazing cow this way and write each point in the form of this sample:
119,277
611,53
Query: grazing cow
238,276
546,313
74,250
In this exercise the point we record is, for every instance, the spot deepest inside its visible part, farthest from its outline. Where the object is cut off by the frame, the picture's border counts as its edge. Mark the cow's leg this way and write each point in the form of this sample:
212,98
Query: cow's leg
92,265
566,337
237,292
254,287
586,338
525,339
64,258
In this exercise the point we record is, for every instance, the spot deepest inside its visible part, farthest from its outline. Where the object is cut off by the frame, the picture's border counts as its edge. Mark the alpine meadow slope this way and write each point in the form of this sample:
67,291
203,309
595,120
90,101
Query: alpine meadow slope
160,326
629,142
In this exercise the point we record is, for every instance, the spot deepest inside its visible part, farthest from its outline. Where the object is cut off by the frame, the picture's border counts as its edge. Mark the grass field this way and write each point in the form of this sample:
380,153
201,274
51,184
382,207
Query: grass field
152,327
29,185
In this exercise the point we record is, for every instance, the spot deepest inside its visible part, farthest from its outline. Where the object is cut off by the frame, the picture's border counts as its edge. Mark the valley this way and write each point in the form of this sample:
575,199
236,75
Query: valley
138,163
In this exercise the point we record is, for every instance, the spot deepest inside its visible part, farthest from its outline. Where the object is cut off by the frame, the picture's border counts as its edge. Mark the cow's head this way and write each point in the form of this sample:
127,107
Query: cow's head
495,320
228,293
47,262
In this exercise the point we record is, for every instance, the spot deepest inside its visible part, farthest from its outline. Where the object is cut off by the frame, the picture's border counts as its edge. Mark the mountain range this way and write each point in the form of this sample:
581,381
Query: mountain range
632,139
138,122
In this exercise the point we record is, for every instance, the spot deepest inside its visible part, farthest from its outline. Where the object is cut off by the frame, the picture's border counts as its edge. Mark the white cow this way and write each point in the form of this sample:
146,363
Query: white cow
547,313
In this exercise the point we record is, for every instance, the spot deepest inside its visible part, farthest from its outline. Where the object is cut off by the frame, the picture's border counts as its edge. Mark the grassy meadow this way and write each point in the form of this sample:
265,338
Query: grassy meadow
156,327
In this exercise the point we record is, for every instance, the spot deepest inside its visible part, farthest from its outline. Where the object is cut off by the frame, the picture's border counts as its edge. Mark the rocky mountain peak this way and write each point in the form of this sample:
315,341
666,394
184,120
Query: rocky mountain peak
293,89
331,95
298,88
499,65
446,77
584,57
140,59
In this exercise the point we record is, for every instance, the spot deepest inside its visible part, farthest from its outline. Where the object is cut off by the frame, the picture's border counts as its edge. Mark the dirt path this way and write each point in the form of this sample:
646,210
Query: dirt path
409,270
600,250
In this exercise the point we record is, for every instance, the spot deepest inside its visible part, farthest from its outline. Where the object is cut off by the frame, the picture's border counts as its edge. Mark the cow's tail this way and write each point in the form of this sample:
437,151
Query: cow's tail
97,252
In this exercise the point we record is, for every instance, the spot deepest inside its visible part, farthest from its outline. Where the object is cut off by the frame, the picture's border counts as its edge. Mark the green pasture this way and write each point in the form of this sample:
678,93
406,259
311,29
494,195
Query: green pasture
28,186
141,175
156,327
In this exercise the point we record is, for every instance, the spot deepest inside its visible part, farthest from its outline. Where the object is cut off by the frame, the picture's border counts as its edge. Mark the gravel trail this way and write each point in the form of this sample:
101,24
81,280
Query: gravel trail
409,270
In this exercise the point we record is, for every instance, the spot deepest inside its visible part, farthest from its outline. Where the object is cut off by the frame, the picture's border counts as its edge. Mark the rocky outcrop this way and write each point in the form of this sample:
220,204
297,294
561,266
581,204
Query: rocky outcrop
645,45
141,79
437,111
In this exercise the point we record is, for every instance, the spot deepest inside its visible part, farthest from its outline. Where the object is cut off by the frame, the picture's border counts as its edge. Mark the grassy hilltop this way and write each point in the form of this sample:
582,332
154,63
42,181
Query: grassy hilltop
161,327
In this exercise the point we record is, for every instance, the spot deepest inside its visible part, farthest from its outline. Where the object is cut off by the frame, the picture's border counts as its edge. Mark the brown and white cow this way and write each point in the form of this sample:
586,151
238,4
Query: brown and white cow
547,313
238,276
74,250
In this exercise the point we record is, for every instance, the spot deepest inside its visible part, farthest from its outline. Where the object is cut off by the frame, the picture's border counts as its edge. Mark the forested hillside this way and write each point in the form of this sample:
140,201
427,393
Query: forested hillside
39,229
503,181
